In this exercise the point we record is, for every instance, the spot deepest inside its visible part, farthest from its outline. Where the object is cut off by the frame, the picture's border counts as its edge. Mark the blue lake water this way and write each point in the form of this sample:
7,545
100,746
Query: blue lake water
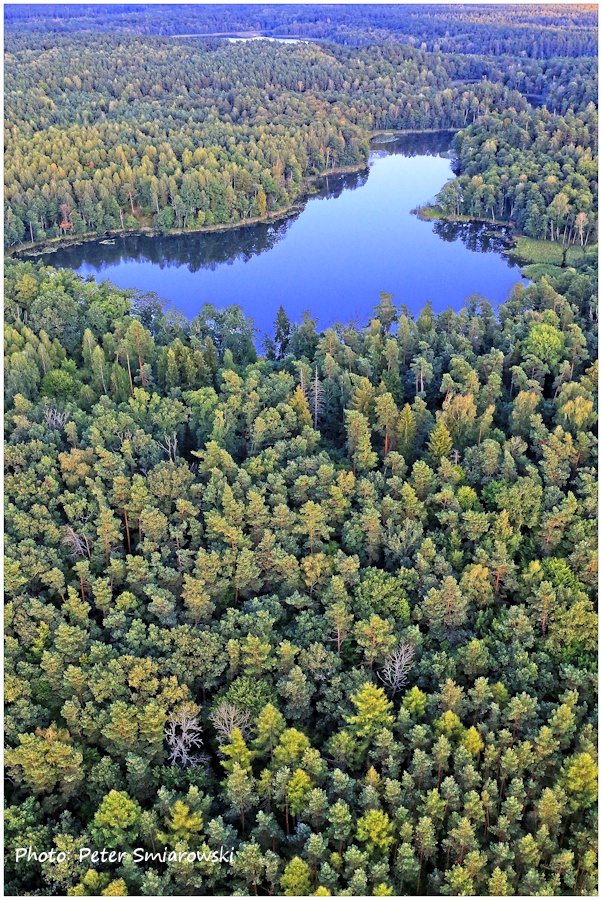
355,238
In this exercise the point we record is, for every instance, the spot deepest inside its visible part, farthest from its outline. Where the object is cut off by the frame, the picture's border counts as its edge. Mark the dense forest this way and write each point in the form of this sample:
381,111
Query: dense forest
535,170
332,607
317,617
199,134
122,131
541,30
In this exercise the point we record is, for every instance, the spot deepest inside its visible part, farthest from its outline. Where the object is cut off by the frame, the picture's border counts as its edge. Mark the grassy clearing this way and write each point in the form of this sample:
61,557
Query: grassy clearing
432,212
429,212
531,252
536,271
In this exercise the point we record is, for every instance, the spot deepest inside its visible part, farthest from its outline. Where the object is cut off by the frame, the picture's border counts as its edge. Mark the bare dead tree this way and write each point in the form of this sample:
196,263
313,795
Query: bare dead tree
228,717
54,418
302,382
317,398
170,446
124,436
394,672
77,543
183,735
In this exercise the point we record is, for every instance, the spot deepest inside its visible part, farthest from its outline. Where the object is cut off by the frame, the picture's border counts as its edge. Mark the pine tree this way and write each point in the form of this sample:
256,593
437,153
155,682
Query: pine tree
358,440
240,792
249,863
375,637
183,824
340,620
446,608
299,787
386,417
116,822
269,727
340,822
406,432
375,829
261,203
385,311
440,442
282,333
579,778
296,880
426,844
499,884
372,712
237,753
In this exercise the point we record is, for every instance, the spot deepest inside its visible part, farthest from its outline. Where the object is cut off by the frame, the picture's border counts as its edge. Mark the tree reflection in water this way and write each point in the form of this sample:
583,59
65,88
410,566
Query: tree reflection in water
333,255
208,250
476,236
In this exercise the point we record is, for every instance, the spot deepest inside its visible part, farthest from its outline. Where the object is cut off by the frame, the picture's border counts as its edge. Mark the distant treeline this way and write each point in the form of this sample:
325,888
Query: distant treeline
120,132
534,31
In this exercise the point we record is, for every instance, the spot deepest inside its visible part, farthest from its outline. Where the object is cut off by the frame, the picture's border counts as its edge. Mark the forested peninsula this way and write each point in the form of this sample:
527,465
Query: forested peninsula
130,131
320,617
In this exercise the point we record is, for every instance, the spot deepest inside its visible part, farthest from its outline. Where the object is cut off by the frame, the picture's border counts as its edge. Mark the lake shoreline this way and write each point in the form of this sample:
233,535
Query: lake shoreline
329,257
540,251
432,213
51,245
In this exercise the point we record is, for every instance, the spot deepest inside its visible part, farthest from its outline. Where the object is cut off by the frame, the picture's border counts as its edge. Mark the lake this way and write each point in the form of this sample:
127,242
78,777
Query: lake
355,238
238,38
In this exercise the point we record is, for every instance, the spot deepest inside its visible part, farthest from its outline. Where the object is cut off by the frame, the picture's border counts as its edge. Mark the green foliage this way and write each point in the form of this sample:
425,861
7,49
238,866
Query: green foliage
546,343
372,711
274,581
116,822
579,779
554,200
188,530
440,441
415,702
295,881
376,830
192,171
60,384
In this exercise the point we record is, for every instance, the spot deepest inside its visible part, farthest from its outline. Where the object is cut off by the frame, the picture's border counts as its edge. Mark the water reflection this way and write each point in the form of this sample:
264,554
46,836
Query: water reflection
213,249
354,238
425,143
476,236
208,250
194,251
